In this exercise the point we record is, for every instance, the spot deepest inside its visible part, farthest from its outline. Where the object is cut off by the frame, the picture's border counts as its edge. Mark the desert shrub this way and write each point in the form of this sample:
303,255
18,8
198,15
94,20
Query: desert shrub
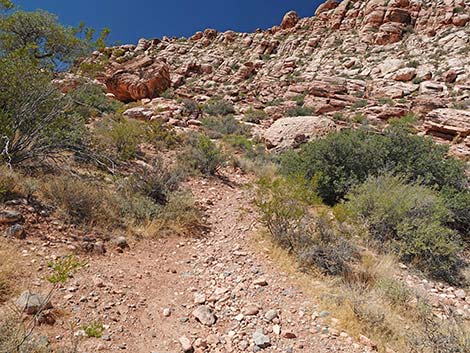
348,158
396,293
156,182
458,202
120,136
218,106
411,219
299,111
283,203
217,127
8,182
255,116
91,101
191,107
160,136
78,201
36,121
203,155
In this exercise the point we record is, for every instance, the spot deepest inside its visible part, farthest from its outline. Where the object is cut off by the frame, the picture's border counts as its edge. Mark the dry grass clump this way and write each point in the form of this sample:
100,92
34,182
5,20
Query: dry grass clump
8,269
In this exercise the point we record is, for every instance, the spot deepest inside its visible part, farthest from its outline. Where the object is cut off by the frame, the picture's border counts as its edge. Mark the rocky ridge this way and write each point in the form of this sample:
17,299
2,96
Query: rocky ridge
353,61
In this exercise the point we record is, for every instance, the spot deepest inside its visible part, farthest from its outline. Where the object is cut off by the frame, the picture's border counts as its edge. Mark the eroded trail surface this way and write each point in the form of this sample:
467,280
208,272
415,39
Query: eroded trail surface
148,295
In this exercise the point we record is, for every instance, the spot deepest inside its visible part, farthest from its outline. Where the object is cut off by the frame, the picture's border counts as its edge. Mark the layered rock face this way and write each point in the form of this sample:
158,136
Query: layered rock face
352,61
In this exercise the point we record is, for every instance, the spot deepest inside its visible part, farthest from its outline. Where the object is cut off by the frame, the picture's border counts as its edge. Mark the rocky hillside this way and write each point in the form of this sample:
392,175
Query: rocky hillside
352,62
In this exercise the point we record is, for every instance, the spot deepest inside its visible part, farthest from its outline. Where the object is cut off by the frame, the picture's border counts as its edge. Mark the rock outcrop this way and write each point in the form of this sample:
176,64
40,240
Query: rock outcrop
139,78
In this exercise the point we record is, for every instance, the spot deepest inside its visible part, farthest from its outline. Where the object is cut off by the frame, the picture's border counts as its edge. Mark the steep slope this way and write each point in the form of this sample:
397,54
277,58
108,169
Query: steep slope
372,59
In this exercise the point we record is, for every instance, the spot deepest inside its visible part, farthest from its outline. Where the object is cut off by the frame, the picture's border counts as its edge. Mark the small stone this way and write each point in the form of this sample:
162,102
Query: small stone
186,344
16,231
460,293
277,330
262,282
121,242
271,315
166,312
289,335
250,310
261,340
199,298
10,216
205,315
32,303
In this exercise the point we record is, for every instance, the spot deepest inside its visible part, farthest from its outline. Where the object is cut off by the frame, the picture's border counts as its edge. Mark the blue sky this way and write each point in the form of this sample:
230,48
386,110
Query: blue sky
130,20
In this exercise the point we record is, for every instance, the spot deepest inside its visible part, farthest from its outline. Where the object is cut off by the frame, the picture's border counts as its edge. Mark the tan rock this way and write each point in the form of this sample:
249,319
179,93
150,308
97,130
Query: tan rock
291,132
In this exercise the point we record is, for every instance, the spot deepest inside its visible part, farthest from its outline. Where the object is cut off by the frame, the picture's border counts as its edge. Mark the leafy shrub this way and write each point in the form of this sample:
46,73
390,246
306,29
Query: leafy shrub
95,330
255,116
411,219
203,155
348,158
91,101
218,106
217,127
191,107
299,111
120,136
36,121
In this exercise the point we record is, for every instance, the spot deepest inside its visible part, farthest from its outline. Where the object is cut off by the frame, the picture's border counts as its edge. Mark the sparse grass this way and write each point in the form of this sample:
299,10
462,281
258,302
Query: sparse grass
8,269
217,127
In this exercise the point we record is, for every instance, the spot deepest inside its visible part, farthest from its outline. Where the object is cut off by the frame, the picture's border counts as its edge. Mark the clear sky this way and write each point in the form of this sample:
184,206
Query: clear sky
130,20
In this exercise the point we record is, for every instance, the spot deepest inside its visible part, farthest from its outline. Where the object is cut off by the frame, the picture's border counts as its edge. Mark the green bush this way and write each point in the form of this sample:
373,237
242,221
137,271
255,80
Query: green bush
299,111
218,106
347,158
411,219
36,121
203,155
217,127
255,116
91,101
120,136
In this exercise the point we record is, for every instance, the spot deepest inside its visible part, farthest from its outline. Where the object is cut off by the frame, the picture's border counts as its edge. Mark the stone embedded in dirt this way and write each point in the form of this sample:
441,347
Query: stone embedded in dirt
140,113
166,312
261,340
186,344
250,310
271,315
277,330
289,335
262,282
16,231
448,123
10,216
460,293
32,303
199,298
121,242
205,315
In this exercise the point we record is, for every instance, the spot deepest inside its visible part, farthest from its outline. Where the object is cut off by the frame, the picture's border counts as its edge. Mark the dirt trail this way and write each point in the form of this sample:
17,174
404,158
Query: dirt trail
131,292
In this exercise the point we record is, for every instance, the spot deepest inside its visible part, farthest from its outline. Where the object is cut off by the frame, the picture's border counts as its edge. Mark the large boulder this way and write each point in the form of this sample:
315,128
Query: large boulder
139,78
290,20
448,123
291,132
